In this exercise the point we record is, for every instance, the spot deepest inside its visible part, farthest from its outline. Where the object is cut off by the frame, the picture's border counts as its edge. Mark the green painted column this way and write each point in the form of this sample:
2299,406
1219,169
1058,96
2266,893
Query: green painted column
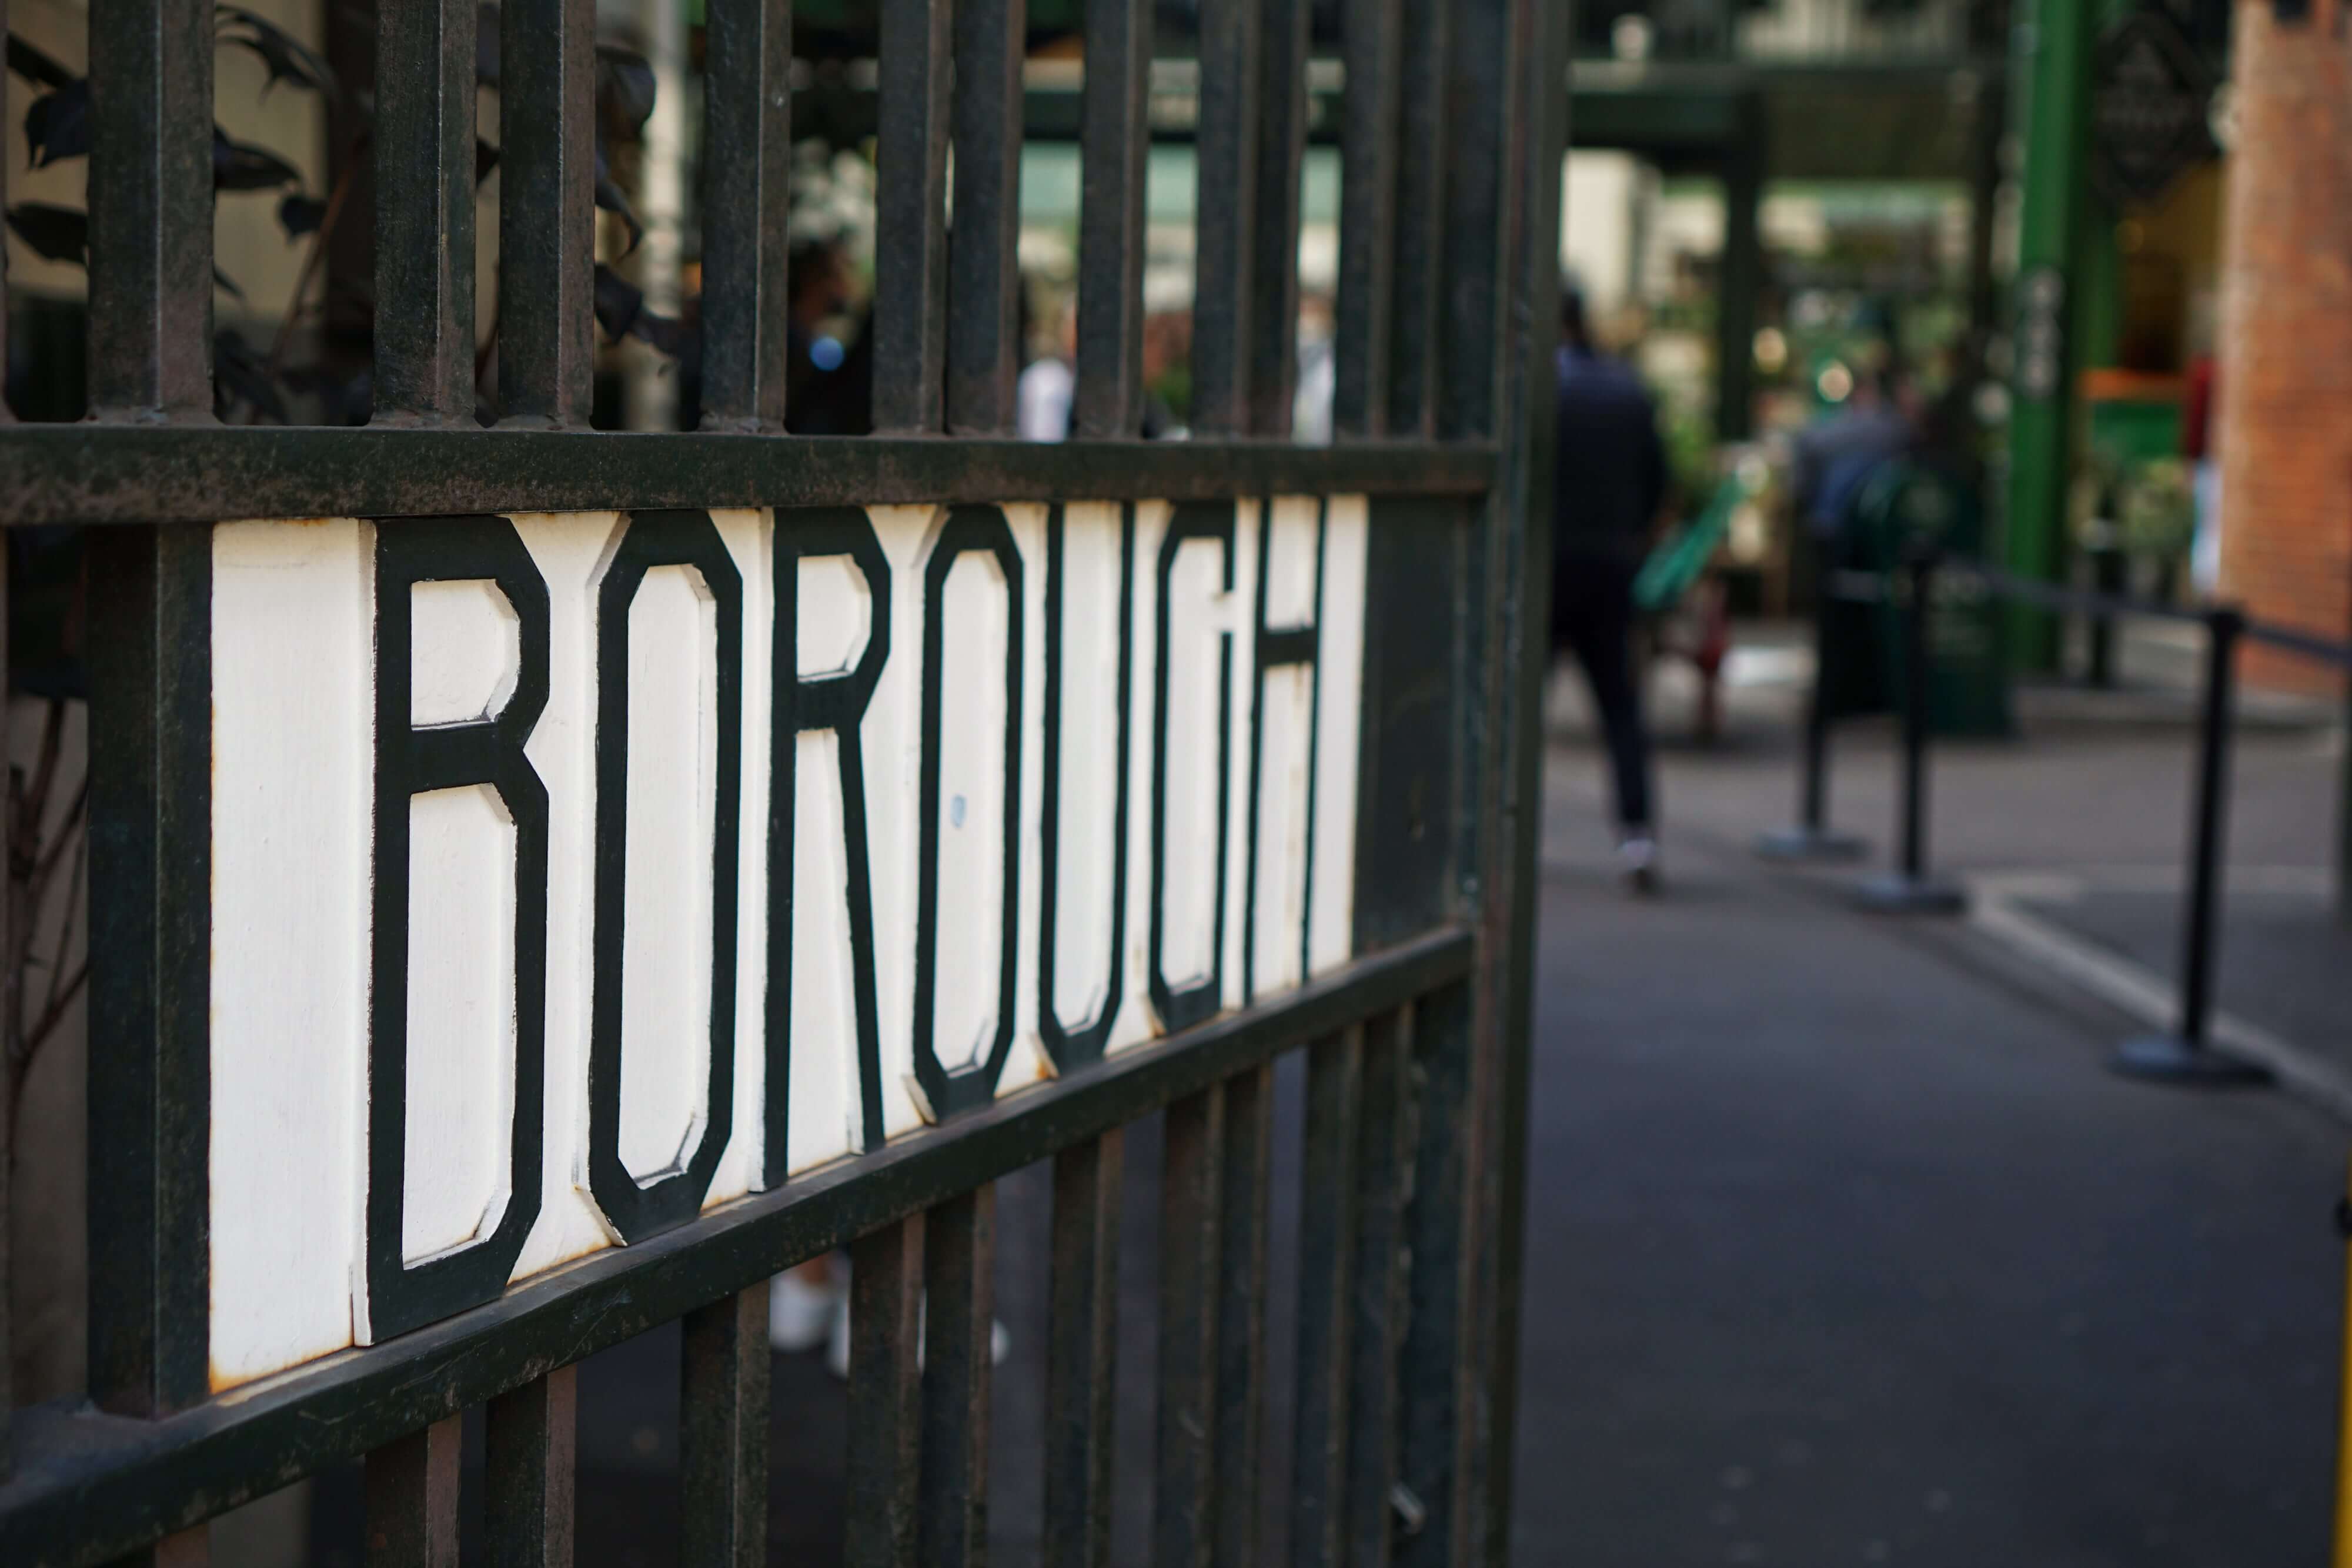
2052,70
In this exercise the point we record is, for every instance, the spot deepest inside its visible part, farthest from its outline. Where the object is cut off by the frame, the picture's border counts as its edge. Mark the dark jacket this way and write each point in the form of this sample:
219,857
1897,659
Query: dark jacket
1611,477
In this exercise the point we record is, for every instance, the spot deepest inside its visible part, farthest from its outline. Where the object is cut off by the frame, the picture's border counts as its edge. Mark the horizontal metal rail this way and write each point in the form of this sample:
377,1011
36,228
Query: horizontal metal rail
2056,596
2322,649
94,1487
161,473
1870,587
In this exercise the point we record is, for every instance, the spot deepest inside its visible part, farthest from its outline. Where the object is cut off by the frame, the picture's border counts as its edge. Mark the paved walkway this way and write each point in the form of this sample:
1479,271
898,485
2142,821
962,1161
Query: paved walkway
1844,1247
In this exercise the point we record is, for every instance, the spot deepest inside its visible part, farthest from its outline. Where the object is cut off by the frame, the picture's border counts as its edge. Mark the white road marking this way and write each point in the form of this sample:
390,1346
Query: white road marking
1997,908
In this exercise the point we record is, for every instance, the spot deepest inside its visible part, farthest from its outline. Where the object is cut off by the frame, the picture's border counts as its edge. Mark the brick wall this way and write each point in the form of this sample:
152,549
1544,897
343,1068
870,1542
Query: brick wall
2286,340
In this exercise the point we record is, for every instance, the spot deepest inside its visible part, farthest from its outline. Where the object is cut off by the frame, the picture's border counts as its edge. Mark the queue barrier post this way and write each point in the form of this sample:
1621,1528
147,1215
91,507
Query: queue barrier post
2187,1055
1911,888
1812,838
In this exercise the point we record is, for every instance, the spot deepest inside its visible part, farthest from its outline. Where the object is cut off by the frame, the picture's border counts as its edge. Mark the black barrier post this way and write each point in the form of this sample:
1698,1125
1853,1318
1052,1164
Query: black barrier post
1811,839
2107,576
2186,1056
1910,890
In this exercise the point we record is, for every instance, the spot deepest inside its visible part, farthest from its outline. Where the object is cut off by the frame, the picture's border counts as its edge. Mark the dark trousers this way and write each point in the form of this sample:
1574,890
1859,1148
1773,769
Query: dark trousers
1593,614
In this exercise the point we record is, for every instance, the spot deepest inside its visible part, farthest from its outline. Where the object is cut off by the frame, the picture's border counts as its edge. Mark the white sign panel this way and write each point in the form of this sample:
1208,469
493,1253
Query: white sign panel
573,875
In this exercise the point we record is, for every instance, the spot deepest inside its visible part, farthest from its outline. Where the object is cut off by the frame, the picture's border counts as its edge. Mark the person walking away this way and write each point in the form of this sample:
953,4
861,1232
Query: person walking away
1609,489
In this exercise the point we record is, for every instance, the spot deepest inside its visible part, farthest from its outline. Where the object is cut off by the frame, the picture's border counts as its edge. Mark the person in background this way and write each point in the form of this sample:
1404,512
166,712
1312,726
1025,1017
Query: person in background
1319,371
1608,490
829,350
1835,457
1043,396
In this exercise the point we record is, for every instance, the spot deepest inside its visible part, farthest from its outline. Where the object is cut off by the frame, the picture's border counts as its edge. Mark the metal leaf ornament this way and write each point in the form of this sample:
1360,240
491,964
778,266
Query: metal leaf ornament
55,233
35,67
240,376
239,167
620,311
299,214
624,85
57,125
609,196
286,59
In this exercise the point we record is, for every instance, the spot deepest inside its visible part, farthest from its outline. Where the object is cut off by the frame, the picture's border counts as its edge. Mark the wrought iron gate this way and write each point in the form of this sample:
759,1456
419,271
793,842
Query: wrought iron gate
1392,947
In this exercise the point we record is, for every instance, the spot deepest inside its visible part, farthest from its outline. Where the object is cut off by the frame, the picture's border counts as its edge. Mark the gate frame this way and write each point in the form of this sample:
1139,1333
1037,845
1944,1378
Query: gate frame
1448,289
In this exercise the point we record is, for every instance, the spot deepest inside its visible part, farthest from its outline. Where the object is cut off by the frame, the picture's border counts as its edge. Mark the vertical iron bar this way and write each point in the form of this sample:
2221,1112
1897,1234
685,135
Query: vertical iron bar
1081,1353
1283,108
2223,627
910,170
1192,1223
1430,1361
723,1432
1113,140
1368,155
425,212
747,199
1326,1243
6,418
885,1453
412,1499
150,946
1922,576
1479,71
547,214
1383,1166
984,271
1512,398
958,1272
530,1441
346,330
1420,218
1246,1188
11,1000
1225,148
151,209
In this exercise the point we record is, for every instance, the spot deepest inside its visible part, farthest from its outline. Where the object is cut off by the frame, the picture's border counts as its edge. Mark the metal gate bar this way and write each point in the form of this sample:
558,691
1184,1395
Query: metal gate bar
1422,168
1282,109
151,281
1226,146
547,192
747,159
424,212
910,164
1113,141
1368,155
1081,1351
180,473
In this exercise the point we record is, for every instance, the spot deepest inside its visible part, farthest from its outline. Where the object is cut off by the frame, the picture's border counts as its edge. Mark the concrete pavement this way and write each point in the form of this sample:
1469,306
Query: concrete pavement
1844,1247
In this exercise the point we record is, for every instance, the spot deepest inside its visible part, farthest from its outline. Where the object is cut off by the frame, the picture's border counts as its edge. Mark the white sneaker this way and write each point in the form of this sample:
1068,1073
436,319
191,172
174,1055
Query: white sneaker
1637,861
800,1315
